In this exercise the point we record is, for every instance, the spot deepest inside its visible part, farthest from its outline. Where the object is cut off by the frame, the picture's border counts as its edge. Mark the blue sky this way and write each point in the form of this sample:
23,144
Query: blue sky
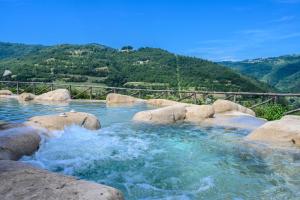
211,29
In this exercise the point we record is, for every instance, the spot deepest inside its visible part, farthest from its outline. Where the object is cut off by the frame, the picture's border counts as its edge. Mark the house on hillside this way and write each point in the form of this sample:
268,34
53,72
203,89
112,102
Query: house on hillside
141,62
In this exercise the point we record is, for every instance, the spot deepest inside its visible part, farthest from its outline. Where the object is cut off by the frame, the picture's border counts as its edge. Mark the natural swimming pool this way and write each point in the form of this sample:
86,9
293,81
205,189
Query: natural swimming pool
180,161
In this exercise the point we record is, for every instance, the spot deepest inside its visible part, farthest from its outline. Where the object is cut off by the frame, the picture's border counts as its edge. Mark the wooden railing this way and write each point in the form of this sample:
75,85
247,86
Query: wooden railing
100,92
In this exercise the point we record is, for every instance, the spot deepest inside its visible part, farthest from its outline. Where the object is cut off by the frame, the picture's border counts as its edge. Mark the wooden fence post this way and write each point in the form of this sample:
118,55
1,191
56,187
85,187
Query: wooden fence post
195,98
275,99
17,87
91,93
70,90
33,88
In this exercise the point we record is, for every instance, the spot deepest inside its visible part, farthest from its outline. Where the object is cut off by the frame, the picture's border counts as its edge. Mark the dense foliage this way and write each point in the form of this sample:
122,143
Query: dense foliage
281,72
94,63
271,111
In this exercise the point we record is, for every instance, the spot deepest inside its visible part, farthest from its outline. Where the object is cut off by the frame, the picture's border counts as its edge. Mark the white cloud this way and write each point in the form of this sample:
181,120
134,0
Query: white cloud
241,43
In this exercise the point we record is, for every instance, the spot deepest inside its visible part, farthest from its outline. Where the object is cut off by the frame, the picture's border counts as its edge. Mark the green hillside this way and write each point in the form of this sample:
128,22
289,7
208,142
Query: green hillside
281,72
12,50
98,64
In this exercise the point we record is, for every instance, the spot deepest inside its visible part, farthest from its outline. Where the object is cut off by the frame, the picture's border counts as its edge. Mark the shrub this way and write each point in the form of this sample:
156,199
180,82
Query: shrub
271,111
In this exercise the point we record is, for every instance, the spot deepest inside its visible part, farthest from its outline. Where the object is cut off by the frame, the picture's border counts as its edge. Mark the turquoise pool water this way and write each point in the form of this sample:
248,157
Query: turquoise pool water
180,161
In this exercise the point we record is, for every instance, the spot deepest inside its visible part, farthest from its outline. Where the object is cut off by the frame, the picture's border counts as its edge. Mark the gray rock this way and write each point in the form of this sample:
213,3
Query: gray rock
55,95
113,98
198,113
283,132
20,181
222,106
5,92
17,142
26,96
176,112
164,102
4,125
56,122
165,115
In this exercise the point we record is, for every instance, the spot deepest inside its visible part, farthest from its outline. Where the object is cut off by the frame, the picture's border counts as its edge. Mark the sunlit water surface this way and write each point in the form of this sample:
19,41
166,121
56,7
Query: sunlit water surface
180,161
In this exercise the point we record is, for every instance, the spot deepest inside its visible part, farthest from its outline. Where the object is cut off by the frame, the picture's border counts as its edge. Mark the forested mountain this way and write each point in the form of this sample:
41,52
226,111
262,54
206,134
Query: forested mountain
281,72
12,50
94,63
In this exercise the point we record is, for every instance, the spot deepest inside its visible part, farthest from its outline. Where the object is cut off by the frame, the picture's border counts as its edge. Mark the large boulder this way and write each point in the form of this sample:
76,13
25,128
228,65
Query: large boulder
5,125
55,95
223,106
17,142
26,96
58,122
163,102
285,131
165,115
22,181
197,113
5,92
114,98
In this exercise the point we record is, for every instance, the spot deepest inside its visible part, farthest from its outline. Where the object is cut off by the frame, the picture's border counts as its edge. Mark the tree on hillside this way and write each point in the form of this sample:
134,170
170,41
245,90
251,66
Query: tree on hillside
127,48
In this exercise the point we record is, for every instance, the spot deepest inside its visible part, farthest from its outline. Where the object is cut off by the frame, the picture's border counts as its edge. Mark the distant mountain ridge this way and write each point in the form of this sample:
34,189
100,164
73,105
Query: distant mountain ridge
13,50
99,64
281,72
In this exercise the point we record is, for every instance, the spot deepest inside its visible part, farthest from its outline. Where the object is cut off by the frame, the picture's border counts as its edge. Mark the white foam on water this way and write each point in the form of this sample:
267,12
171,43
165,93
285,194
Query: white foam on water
154,163
146,186
75,147
181,162
206,184
175,197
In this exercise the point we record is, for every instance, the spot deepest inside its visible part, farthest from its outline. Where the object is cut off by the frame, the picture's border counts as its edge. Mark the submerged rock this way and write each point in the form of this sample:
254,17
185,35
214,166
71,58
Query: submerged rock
173,111
197,113
222,106
22,181
26,96
17,142
285,131
58,122
55,95
165,115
